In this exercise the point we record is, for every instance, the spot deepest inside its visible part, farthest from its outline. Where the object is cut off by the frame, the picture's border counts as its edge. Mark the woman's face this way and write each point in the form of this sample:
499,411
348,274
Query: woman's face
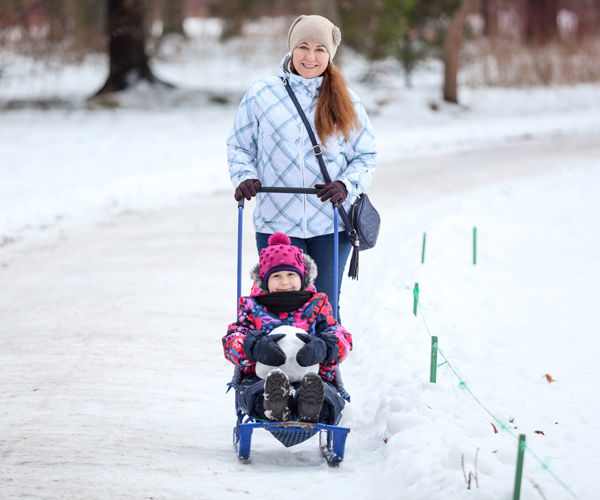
310,59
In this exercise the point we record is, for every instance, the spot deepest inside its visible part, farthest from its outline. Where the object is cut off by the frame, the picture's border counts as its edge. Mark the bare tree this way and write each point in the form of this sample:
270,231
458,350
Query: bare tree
327,8
127,46
236,13
173,16
489,11
541,19
452,47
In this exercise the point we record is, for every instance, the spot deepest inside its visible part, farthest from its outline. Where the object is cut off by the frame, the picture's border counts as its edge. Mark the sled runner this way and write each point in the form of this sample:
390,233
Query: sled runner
332,439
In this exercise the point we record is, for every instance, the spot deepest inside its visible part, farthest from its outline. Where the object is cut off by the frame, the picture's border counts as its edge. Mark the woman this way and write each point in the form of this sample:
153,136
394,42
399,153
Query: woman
269,146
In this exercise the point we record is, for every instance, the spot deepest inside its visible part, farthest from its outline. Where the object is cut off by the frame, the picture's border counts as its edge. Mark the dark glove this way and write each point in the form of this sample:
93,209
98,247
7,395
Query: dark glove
313,351
331,342
247,189
263,348
335,191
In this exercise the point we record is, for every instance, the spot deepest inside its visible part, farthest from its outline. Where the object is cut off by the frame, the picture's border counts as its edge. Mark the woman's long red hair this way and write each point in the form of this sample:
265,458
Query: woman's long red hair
335,113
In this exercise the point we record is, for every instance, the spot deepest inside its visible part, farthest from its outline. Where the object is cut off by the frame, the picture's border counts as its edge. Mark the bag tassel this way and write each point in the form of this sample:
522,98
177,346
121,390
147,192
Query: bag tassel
353,269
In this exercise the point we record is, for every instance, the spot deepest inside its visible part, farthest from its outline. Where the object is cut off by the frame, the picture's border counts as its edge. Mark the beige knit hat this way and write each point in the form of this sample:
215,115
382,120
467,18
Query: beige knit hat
314,29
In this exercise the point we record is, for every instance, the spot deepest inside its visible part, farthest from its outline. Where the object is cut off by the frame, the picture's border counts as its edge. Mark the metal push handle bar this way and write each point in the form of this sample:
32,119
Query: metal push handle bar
287,190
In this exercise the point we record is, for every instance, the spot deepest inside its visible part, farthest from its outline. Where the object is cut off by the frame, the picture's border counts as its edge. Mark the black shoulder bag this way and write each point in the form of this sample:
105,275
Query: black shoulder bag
362,225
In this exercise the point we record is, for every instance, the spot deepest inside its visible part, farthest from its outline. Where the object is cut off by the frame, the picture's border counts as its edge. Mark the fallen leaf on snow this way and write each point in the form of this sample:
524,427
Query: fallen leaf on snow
549,378
540,432
495,429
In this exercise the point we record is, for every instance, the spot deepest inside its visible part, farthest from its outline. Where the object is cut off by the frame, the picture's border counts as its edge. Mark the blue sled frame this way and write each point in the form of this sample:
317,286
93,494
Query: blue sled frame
332,439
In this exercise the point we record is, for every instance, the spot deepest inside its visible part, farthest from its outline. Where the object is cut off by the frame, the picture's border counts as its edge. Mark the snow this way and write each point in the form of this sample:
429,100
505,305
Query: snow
117,280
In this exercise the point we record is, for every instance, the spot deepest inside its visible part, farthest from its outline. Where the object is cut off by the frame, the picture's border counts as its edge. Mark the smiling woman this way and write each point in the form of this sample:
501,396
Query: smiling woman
309,59
269,146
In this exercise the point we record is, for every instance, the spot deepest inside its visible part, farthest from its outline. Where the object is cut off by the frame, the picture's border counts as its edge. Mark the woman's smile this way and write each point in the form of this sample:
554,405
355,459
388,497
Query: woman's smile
310,59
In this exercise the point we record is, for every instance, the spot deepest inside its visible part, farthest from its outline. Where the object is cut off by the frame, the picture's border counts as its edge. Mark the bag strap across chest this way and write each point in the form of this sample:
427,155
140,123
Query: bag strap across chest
350,232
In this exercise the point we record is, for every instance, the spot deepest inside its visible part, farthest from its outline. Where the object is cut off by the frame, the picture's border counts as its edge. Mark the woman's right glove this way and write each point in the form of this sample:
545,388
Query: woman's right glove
263,348
247,189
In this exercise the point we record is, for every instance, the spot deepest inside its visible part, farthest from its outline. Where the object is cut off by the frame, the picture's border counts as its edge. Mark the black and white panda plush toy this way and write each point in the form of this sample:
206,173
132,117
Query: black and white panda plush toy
290,345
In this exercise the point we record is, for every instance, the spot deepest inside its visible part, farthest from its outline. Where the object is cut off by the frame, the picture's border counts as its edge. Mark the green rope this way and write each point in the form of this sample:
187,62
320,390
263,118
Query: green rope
464,386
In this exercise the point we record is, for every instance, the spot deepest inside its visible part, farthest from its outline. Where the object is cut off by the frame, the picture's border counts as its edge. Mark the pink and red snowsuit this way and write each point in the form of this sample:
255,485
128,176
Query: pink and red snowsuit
315,316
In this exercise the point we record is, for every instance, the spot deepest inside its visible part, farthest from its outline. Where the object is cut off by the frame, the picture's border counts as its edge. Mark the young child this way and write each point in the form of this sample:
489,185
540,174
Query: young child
283,293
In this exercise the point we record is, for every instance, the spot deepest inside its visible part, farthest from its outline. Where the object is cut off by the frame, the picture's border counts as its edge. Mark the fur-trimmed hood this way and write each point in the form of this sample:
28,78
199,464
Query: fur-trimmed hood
309,277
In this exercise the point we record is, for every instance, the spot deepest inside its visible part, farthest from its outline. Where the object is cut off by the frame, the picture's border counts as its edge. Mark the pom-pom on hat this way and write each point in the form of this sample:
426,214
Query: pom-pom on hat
314,29
280,255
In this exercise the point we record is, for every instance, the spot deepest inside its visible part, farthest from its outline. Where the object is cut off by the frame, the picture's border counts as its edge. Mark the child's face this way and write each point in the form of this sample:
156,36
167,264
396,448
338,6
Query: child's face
284,281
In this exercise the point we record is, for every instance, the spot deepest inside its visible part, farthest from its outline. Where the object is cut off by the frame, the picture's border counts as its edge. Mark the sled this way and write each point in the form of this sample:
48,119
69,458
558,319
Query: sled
332,438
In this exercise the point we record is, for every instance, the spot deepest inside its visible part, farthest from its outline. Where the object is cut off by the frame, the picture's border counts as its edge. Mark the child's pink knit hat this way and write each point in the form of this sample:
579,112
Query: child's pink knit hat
280,255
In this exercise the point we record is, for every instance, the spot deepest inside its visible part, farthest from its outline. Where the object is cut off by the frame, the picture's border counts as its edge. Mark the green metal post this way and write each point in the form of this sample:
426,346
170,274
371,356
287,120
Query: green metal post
474,245
423,249
433,368
415,298
519,473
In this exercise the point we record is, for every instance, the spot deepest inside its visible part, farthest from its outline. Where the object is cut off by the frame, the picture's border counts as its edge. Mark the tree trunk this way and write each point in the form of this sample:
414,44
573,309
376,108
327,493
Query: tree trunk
452,47
489,11
408,58
234,14
58,14
126,46
327,8
541,25
173,17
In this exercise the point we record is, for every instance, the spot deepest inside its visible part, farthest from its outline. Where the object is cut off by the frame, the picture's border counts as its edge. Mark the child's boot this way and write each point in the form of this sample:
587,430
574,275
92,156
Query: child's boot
310,398
277,392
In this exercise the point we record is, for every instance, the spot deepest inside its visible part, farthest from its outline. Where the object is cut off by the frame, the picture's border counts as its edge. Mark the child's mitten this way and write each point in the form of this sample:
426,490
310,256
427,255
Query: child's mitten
313,352
332,346
263,348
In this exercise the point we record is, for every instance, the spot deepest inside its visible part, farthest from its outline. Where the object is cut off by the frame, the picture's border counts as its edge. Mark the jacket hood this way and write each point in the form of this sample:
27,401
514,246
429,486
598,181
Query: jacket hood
308,282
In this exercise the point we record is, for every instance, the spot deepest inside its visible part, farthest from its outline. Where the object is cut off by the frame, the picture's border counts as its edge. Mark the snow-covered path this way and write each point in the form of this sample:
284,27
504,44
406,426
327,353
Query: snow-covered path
112,376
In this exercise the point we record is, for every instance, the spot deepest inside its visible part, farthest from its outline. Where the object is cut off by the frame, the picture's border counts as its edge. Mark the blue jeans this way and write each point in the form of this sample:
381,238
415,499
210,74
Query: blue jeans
320,248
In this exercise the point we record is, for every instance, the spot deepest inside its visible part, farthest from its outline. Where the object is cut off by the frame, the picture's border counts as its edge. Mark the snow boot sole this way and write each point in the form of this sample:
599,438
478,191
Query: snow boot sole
310,398
277,392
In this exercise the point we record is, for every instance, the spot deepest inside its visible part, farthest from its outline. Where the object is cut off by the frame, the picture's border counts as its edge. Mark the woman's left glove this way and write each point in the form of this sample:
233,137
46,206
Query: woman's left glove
335,191
263,348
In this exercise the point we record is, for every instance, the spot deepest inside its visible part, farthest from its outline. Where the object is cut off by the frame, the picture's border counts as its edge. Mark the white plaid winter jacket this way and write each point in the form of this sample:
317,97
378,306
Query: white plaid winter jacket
269,142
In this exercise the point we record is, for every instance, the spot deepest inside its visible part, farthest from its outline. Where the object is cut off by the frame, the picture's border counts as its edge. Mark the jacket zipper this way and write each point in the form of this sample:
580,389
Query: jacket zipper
304,227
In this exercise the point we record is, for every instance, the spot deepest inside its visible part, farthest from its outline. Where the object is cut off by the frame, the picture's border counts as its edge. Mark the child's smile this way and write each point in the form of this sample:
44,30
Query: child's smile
284,281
